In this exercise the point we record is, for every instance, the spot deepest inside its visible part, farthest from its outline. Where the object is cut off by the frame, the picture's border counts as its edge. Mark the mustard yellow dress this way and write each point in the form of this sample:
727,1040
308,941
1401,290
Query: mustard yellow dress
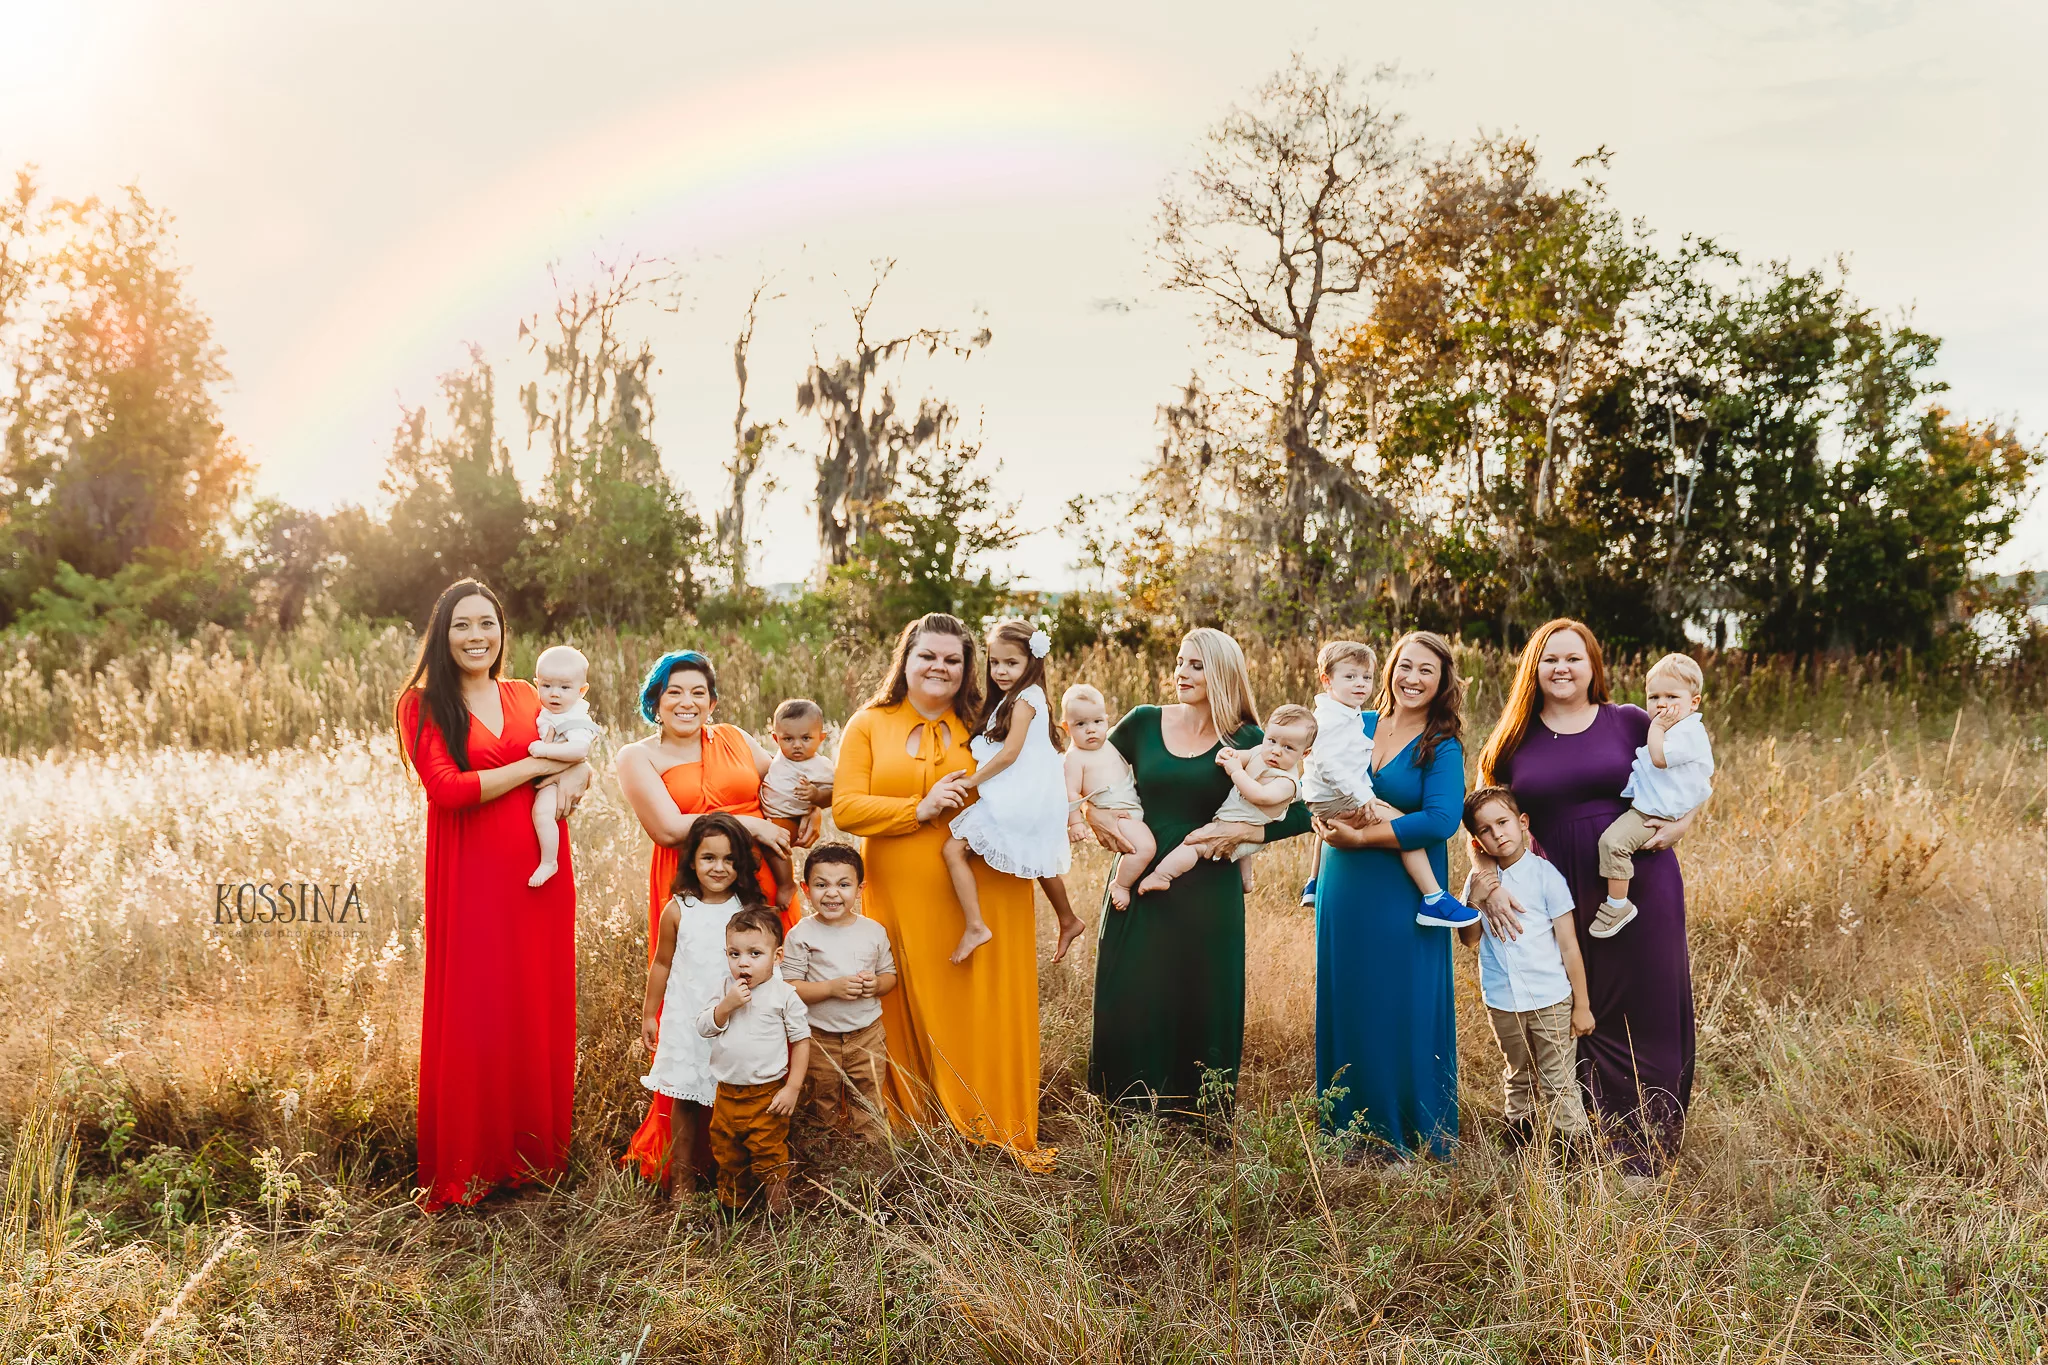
963,1038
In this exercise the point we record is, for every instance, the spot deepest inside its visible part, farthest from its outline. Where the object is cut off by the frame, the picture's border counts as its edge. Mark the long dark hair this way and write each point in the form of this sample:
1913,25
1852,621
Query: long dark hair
1446,718
746,867
1012,631
441,696
967,701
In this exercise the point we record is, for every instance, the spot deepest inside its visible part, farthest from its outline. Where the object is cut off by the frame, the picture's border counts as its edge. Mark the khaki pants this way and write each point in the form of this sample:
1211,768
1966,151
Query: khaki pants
845,1081
1619,844
1542,1059
751,1144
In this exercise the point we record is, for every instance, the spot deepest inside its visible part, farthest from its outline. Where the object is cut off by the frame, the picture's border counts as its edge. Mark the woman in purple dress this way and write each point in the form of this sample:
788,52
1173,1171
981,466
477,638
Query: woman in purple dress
1565,750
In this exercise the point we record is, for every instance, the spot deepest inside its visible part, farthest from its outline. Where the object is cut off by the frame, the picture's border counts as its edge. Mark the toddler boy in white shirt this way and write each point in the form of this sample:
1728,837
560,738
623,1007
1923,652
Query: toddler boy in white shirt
1534,985
760,1038
1337,778
1671,776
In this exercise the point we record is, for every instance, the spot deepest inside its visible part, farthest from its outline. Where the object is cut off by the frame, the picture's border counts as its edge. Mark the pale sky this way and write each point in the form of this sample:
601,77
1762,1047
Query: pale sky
361,188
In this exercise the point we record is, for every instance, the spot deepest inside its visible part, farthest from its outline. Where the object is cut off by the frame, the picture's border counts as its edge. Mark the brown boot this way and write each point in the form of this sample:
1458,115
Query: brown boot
779,1202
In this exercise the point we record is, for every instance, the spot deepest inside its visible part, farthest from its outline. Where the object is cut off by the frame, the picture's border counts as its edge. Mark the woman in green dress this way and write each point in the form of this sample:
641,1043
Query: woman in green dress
1169,971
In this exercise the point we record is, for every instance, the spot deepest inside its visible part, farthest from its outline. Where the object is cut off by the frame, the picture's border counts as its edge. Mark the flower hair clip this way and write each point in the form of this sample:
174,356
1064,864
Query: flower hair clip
1041,644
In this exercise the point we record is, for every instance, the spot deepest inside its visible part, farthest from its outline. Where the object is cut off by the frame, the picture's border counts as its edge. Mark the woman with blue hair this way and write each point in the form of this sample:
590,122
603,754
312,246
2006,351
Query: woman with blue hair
689,767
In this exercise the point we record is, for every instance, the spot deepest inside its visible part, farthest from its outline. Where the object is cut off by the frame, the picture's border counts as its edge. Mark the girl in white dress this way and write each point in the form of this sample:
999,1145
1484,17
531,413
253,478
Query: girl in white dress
1019,823
716,877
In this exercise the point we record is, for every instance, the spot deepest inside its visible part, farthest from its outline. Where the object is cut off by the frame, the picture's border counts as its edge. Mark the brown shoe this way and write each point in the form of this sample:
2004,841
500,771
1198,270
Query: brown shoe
1609,918
779,1202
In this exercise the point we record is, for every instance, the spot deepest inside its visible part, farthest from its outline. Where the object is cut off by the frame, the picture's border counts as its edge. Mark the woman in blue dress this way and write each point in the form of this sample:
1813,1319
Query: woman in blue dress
1386,1033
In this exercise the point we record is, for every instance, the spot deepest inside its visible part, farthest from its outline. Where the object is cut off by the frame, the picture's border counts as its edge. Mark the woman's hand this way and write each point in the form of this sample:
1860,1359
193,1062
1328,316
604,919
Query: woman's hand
571,786
1339,833
1218,839
948,794
767,834
1104,823
1503,913
1667,833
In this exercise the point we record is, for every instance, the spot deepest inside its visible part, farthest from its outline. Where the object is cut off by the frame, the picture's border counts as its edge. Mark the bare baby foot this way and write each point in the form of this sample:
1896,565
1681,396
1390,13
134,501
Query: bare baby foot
1120,895
971,938
1153,883
541,874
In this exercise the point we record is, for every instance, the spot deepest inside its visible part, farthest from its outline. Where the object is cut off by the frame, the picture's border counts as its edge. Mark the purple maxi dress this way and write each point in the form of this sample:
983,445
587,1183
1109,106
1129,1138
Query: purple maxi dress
1637,1064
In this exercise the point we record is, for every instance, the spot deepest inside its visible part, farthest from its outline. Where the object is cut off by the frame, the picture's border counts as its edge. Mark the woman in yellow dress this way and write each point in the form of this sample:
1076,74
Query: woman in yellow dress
963,1038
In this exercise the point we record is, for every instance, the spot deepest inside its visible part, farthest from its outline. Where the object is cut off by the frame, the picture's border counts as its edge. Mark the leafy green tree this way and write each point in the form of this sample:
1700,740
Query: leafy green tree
290,557
615,541
867,438
1289,223
114,453
153,588
456,511
927,548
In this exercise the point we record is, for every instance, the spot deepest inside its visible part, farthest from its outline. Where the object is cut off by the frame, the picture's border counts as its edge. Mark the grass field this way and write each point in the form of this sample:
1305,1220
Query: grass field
208,1127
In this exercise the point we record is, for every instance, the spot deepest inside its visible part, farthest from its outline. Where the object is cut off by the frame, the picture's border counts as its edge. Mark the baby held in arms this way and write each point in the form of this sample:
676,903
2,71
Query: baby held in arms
1338,783
1099,780
1263,780
798,785
1672,775
562,676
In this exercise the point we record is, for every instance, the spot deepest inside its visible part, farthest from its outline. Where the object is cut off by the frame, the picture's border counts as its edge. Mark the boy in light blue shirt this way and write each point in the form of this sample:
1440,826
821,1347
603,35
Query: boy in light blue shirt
1534,985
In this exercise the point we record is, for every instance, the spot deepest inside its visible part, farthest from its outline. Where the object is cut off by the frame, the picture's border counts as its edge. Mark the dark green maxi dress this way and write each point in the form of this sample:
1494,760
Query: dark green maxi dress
1169,971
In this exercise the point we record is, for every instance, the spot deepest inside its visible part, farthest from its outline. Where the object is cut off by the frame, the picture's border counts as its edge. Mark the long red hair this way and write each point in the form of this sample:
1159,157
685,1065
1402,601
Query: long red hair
1525,696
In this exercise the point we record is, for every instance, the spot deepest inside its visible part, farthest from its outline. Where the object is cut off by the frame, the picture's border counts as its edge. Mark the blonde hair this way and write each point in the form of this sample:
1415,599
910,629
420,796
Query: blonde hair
1525,697
1081,692
1682,667
1336,652
565,656
1291,714
1231,707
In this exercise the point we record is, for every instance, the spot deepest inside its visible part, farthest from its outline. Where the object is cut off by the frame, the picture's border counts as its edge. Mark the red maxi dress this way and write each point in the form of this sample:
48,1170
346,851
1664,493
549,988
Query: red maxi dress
723,779
498,1023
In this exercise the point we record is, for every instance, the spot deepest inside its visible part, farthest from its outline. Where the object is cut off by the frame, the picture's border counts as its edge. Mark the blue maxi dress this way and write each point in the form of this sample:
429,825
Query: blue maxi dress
1386,1028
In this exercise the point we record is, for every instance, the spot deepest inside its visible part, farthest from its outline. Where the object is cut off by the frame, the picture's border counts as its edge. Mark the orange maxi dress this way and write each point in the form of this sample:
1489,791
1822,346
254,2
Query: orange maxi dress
962,1038
498,1018
724,779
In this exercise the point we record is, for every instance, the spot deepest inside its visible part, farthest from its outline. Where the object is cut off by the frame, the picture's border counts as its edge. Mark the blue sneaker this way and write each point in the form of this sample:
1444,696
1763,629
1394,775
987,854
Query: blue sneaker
1308,892
1445,911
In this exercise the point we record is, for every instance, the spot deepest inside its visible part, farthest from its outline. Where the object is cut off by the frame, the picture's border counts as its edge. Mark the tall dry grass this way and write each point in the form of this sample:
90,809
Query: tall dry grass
333,681
209,1126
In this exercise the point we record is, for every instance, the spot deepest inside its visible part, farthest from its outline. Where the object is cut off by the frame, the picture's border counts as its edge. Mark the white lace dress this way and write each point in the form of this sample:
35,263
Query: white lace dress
696,976
1018,822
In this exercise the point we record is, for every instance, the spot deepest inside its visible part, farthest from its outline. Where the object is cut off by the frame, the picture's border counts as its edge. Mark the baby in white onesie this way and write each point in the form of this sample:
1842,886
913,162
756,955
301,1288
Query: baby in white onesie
1673,773
562,676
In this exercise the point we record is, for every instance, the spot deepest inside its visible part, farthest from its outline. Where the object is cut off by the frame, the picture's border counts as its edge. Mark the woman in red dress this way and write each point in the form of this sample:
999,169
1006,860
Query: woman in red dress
690,766
498,1023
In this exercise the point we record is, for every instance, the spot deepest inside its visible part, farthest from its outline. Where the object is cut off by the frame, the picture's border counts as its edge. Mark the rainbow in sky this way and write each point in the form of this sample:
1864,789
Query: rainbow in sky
807,142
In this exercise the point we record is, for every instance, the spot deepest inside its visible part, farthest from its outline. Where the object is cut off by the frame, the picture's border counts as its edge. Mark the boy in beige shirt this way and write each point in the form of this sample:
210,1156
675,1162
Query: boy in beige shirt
840,964
760,1048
